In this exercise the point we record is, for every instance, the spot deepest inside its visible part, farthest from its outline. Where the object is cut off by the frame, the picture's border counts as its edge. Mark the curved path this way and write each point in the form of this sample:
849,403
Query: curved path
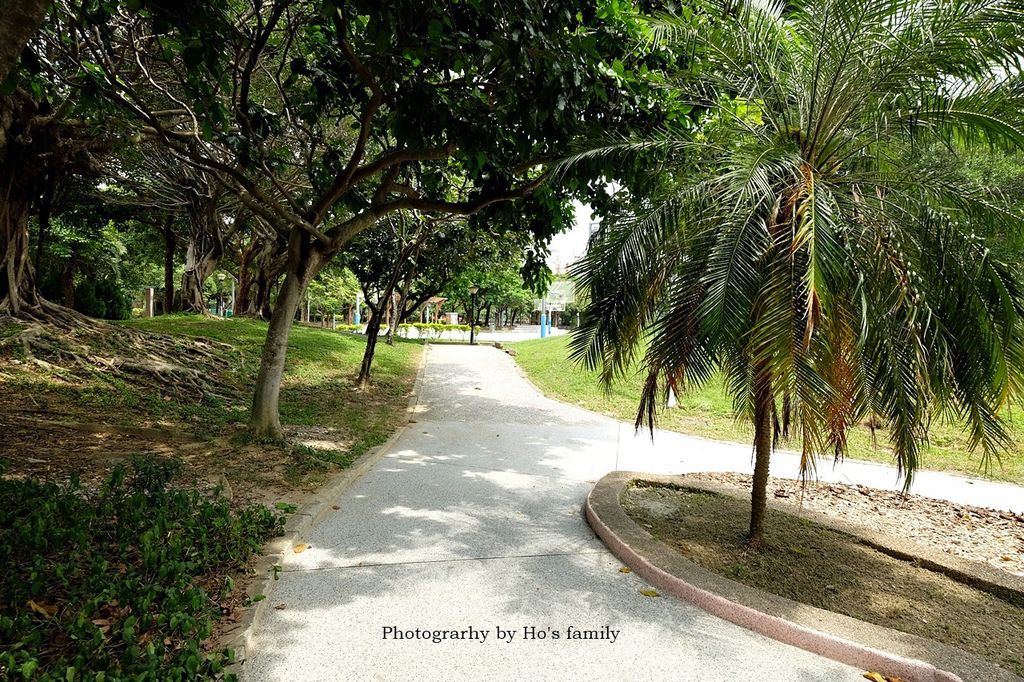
473,519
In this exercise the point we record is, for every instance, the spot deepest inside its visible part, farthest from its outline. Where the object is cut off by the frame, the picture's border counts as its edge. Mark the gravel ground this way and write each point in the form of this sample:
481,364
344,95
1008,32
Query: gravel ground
992,537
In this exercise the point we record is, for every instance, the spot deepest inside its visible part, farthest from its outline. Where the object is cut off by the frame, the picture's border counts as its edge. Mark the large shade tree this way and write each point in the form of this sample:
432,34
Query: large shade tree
803,250
325,118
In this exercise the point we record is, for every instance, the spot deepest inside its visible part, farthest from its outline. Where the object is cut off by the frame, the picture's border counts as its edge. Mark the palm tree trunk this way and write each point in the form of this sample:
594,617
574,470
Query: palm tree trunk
763,437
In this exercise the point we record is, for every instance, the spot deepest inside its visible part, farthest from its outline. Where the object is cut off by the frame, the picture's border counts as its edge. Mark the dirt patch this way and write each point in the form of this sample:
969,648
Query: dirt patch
58,452
80,400
978,534
814,565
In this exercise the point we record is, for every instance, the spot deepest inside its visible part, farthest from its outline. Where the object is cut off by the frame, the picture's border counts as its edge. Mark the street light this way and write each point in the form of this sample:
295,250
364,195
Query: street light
472,314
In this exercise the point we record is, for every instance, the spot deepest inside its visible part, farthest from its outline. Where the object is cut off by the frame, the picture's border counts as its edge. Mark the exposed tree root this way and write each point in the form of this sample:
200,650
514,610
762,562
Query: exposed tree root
72,346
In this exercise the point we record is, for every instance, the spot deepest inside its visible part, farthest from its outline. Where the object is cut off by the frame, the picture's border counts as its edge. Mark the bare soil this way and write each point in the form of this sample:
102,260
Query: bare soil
814,565
81,400
984,535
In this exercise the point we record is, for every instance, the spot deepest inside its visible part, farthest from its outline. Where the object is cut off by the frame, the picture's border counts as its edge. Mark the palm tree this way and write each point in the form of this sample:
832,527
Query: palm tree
802,250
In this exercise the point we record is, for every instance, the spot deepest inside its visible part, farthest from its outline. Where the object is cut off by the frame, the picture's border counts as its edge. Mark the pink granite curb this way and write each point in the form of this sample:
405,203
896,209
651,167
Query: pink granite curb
647,557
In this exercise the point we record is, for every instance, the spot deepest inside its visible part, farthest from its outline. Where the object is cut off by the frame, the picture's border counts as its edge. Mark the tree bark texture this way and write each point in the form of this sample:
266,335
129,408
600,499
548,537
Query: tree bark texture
17,276
20,177
19,20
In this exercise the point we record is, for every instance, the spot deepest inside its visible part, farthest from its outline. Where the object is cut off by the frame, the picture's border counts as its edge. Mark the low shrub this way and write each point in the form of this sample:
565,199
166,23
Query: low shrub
118,583
433,330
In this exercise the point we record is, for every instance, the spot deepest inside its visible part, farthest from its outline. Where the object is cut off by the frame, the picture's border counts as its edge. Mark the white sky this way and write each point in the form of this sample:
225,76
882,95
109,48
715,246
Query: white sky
566,248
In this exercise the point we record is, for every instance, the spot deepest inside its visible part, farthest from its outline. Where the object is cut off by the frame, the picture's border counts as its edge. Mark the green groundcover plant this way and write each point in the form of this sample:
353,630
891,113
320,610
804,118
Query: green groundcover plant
122,582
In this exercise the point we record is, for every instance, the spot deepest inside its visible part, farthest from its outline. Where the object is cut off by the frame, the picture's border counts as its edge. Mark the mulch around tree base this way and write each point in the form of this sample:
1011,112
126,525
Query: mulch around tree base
821,567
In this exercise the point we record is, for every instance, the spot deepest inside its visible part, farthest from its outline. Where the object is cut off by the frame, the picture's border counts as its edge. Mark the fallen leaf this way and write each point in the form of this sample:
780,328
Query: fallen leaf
281,607
300,548
875,677
46,610
335,507
650,593
625,569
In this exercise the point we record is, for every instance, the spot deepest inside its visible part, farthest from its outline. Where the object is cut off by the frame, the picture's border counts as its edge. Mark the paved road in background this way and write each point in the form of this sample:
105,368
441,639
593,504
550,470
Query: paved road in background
473,520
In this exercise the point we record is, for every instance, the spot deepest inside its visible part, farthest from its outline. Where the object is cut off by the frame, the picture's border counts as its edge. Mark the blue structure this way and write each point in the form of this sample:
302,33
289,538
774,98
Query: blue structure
543,325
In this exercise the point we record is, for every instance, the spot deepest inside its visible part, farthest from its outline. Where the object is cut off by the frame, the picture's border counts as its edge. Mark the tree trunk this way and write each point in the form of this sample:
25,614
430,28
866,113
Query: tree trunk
67,281
245,277
259,278
170,245
763,443
304,261
403,299
383,307
17,180
17,276
21,19
372,333
198,267
205,247
265,282
192,280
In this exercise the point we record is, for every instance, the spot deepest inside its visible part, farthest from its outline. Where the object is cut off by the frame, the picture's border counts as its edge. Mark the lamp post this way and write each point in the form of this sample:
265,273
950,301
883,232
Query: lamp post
472,314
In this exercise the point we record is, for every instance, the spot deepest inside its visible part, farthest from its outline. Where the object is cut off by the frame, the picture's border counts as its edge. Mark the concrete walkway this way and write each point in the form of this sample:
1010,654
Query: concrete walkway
473,520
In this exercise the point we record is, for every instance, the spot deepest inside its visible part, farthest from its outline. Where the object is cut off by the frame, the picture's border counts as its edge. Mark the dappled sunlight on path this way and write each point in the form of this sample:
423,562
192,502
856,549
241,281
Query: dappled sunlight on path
474,519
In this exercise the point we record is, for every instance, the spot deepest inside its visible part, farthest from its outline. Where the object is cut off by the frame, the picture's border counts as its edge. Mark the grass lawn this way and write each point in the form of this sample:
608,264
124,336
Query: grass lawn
708,413
319,374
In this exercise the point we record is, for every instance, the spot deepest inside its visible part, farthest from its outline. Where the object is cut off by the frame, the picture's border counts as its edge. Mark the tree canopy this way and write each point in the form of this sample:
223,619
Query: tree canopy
803,245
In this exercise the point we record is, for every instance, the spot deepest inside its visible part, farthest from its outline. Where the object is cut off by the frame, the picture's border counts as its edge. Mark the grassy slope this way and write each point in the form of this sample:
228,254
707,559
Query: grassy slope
321,366
708,412
319,404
